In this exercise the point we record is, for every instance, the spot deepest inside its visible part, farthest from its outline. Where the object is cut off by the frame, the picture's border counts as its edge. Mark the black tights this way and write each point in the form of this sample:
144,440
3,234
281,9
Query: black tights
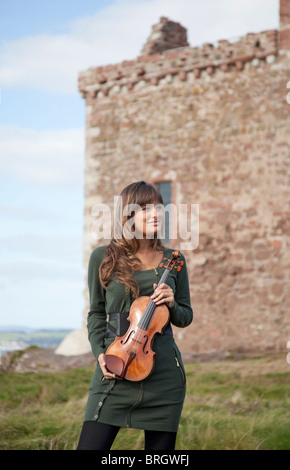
100,436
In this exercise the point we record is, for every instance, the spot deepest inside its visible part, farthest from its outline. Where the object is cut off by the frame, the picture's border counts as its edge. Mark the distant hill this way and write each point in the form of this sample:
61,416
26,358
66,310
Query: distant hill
14,338
23,329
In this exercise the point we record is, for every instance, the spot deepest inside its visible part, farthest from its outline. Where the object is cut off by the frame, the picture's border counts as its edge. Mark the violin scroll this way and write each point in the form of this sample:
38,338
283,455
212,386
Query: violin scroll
172,262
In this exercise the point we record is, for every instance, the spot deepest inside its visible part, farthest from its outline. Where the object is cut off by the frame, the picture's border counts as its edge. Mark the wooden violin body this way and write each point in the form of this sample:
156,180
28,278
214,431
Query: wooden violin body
131,356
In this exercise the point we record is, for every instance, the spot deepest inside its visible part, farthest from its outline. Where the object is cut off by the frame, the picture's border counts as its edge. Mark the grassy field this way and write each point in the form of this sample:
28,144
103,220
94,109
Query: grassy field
229,405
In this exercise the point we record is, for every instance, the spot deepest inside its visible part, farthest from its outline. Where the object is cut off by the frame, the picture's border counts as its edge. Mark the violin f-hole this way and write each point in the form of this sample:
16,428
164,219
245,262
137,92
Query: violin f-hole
145,352
127,339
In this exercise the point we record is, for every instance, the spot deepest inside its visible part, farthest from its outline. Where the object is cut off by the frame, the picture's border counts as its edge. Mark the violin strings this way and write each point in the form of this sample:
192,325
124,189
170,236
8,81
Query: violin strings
146,317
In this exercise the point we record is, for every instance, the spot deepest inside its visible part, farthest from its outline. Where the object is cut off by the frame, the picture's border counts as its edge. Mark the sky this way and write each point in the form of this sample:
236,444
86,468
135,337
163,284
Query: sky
43,47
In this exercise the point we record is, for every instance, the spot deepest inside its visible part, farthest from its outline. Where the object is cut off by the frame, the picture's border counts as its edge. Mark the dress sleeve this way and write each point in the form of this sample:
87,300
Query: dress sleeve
181,313
97,318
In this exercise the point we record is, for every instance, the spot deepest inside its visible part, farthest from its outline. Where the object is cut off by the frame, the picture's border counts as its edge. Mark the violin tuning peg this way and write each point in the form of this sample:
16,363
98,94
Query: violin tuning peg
178,268
181,263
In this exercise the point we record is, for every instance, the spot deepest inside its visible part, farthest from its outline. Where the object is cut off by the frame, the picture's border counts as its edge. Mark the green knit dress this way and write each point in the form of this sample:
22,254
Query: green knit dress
156,402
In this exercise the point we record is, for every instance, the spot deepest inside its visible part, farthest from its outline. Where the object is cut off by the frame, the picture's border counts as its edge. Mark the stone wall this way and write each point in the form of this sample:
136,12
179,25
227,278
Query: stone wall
284,29
215,121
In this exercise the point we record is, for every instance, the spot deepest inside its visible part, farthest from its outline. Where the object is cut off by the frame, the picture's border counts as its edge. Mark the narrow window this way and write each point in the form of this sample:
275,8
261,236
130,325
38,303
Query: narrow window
165,189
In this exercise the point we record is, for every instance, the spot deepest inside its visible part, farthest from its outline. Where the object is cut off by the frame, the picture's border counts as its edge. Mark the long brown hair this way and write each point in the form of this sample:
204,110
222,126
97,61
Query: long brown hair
120,253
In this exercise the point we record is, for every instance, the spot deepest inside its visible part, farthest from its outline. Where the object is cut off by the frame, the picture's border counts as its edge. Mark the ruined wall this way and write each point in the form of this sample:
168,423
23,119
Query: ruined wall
215,121
284,27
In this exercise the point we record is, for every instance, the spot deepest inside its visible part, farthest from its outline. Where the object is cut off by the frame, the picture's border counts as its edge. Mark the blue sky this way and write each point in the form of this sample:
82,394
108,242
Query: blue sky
43,46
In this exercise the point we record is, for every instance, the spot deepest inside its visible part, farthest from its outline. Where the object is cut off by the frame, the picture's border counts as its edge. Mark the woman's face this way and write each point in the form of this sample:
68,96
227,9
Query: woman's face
148,220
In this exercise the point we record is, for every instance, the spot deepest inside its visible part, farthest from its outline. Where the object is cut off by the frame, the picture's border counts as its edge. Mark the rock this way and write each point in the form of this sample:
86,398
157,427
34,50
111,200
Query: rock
74,344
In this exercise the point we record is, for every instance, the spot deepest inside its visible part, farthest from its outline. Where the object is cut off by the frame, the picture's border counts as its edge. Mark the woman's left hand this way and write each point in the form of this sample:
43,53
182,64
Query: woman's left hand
163,294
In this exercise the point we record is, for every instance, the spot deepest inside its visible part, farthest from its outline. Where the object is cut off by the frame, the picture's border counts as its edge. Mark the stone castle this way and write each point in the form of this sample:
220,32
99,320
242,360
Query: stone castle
210,124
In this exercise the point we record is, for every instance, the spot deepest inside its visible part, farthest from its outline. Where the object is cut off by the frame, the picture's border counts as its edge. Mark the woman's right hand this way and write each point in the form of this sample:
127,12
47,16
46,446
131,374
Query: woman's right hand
102,362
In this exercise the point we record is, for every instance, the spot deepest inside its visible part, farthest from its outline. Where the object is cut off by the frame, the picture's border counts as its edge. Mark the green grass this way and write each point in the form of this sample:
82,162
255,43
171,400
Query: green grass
229,405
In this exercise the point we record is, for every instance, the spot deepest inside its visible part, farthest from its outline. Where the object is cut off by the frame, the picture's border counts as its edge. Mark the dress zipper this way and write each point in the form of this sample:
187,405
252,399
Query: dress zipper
134,406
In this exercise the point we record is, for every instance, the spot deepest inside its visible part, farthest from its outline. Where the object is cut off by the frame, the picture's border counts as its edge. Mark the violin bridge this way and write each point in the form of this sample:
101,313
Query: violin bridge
137,340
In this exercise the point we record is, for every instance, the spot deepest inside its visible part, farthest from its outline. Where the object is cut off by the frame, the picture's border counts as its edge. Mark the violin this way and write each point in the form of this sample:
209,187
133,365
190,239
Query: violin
131,356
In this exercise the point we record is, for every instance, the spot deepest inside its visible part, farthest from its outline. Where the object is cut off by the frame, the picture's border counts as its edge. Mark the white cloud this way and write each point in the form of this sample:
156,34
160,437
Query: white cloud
44,158
118,32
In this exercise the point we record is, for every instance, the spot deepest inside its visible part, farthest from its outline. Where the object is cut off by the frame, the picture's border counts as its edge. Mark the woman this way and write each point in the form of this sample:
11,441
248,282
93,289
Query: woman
118,273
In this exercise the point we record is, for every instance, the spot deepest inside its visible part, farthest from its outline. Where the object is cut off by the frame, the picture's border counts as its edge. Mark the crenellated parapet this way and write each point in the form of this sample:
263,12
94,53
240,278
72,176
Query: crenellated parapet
180,63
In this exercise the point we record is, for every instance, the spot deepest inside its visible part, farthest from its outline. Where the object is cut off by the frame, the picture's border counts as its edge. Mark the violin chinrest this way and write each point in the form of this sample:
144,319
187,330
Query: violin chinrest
114,364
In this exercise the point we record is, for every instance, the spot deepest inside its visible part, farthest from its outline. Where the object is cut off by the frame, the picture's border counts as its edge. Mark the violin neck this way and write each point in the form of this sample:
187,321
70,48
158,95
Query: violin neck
150,309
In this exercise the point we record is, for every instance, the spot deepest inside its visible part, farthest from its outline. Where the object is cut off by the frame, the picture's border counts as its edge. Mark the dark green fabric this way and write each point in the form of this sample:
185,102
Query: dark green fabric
156,402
